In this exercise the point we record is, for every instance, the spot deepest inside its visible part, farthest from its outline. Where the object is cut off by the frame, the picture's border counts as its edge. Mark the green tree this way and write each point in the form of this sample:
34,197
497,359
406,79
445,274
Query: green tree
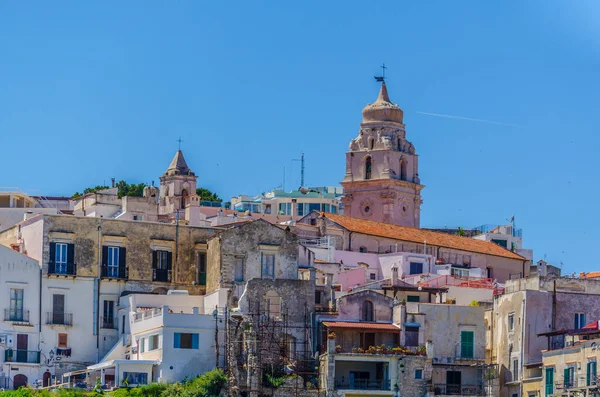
461,232
126,189
90,190
207,195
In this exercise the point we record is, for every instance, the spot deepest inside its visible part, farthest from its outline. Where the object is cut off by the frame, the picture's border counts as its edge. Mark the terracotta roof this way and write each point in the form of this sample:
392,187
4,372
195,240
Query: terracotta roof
371,326
589,275
405,233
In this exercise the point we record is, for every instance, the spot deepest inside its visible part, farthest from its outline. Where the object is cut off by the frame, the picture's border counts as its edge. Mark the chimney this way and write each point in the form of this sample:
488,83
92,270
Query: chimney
112,181
394,275
294,211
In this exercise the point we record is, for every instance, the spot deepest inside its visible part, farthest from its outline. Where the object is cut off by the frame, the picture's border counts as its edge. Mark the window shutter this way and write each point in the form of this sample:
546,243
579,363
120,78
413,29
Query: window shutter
566,376
154,259
176,340
169,260
104,255
195,341
588,376
52,252
122,253
70,253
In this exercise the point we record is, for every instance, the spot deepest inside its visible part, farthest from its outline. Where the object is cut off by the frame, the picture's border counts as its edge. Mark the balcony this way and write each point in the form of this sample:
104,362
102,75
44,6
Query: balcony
115,272
162,275
53,318
108,322
441,389
361,384
16,316
62,269
21,356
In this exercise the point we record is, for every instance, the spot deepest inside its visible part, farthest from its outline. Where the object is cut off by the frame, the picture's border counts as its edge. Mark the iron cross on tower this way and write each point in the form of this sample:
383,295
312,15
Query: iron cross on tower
179,141
382,77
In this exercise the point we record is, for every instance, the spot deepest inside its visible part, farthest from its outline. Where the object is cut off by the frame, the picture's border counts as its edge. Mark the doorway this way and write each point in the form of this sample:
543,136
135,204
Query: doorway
453,382
19,380
22,344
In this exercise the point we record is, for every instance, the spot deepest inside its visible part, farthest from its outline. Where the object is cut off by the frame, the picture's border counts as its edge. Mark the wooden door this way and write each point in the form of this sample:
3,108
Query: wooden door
19,380
58,309
22,344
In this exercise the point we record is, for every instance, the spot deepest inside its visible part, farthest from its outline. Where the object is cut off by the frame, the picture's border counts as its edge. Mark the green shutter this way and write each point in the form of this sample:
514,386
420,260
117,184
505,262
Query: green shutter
549,381
566,376
467,344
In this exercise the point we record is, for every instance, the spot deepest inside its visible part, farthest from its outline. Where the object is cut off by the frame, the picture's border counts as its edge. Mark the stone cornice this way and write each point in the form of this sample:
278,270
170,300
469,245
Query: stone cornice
380,184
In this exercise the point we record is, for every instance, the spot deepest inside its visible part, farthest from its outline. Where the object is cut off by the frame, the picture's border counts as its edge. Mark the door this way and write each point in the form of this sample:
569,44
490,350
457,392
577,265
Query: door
453,382
467,345
22,344
369,340
58,309
549,381
46,379
19,381
202,268
411,338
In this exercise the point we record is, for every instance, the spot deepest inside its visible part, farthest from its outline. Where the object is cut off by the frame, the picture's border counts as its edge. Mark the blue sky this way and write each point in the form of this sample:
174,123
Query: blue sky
94,90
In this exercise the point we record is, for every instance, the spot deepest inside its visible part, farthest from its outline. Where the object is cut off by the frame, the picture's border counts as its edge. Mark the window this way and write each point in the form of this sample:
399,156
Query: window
201,268
467,345
137,217
58,309
368,168
185,341
239,270
372,276
568,376
16,304
362,249
317,297
418,374
416,268
459,272
153,342
60,258
515,370
367,311
108,318
142,345
549,381
579,320
285,208
511,321
268,265
403,170
591,373
411,337
162,260
112,262
300,209
136,378
63,341
413,298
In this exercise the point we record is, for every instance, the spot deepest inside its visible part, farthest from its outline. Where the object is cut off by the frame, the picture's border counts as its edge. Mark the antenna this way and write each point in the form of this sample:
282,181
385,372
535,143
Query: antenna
301,160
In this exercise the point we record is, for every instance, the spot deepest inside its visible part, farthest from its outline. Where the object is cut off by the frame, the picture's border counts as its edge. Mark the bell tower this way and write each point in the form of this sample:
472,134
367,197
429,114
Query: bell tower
382,170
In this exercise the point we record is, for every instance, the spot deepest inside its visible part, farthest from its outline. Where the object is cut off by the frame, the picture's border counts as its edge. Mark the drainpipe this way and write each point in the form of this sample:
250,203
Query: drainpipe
97,296
40,314
350,241
524,308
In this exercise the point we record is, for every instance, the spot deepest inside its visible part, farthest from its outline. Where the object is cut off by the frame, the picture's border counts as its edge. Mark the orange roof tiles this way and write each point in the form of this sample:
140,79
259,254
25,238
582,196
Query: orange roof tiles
589,275
370,326
419,236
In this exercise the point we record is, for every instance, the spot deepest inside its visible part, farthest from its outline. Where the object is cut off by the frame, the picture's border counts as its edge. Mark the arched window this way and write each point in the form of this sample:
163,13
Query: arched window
371,143
368,168
367,311
403,169
184,194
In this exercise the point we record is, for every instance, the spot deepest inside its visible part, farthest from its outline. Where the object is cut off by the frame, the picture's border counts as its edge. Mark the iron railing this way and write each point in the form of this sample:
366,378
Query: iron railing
163,275
18,316
62,268
361,384
457,390
108,322
116,272
58,318
21,356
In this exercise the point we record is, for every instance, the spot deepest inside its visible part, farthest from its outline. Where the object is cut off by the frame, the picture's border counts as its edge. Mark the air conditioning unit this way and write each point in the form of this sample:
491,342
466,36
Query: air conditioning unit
9,341
2,339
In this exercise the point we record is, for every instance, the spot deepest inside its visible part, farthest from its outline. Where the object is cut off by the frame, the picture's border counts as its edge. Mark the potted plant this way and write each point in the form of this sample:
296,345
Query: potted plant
338,349
331,335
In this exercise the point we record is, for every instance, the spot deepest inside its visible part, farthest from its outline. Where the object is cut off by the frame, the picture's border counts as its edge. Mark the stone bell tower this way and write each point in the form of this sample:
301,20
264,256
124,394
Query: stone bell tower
382,175
177,185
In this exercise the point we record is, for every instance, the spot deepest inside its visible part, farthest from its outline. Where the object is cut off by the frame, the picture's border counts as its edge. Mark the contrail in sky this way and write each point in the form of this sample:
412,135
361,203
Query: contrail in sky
448,116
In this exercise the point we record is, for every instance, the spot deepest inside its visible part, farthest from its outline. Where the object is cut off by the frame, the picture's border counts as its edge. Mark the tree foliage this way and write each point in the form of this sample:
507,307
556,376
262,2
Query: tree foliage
124,189
207,195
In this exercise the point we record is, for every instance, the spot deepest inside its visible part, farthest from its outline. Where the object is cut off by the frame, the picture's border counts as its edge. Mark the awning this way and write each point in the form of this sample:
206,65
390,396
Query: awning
387,327
112,363
412,324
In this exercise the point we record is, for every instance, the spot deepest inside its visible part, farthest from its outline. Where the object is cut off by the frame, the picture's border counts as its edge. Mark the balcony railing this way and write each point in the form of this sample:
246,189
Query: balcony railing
17,316
67,269
21,356
116,272
361,384
108,322
163,275
57,318
147,314
457,390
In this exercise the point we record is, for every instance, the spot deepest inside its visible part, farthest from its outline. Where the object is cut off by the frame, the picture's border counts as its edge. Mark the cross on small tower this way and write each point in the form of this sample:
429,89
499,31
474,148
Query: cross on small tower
382,77
179,141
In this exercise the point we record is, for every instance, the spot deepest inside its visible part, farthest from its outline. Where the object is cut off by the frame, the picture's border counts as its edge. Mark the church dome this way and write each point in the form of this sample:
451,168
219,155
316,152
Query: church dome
382,109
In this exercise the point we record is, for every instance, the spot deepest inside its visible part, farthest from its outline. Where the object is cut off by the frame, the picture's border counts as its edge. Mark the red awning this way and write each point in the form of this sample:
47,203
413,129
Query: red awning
370,326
